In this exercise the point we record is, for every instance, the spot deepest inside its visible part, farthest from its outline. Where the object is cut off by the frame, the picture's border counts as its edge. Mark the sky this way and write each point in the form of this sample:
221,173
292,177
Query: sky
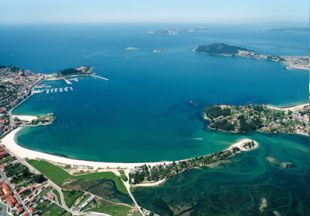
153,11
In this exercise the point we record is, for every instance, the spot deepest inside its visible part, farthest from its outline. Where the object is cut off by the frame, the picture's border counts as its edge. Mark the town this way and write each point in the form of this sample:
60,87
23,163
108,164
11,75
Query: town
15,86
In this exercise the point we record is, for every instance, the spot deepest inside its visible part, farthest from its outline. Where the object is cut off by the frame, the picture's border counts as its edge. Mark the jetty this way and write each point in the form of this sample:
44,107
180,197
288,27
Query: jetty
100,77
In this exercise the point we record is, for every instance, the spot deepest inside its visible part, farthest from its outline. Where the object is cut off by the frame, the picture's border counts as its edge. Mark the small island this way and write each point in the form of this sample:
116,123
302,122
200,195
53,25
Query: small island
261,118
222,49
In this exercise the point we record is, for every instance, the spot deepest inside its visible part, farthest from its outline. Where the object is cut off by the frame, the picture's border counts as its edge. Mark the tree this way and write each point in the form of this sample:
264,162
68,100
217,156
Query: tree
39,178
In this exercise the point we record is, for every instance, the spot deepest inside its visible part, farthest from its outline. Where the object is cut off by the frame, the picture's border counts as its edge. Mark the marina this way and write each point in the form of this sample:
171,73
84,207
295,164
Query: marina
53,90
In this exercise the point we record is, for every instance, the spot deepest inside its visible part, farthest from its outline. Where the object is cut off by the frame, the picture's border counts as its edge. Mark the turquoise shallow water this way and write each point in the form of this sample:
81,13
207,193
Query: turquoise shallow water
238,187
141,114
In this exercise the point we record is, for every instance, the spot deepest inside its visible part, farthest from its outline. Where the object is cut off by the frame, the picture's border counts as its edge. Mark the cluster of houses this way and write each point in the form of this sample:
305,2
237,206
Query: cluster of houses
8,197
21,199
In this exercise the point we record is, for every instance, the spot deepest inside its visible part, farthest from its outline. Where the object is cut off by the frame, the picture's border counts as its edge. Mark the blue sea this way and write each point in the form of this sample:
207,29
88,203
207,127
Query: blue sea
142,113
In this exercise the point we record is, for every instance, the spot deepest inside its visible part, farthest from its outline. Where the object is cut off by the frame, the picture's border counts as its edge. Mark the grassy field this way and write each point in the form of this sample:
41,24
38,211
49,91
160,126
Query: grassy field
112,210
45,191
85,197
59,175
71,196
47,209
53,210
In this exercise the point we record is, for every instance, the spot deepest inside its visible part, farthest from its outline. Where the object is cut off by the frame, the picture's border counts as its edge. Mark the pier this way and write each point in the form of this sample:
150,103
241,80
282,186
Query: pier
68,81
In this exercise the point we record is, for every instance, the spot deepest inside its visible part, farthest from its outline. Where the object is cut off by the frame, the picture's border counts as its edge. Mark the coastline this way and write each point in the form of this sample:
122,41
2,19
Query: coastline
18,151
23,153
27,118
288,108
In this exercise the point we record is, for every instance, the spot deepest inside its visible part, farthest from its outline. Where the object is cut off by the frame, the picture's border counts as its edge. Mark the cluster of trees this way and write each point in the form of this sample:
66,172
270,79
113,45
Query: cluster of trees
249,145
164,171
223,125
243,119
217,111
18,171
221,48
74,71
69,71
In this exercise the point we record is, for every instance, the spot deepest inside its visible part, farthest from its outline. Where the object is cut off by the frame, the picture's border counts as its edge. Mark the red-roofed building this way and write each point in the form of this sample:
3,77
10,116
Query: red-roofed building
19,210
22,190
17,205
11,201
3,154
6,190
31,210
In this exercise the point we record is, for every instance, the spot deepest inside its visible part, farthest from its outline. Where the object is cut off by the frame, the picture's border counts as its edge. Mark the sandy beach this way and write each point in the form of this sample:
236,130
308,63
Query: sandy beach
240,143
27,118
293,108
20,152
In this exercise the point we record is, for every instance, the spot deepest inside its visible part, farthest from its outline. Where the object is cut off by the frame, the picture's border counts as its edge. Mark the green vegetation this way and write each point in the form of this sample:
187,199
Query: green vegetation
104,207
115,210
47,209
53,210
220,49
71,196
123,175
7,159
21,173
243,119
44,119
57,195
83,70
166,171
85,197
51,171
100,187
59,176
45,191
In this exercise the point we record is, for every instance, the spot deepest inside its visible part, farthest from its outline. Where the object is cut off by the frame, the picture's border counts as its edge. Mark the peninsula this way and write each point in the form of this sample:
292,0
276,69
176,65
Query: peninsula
222,49
71,72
